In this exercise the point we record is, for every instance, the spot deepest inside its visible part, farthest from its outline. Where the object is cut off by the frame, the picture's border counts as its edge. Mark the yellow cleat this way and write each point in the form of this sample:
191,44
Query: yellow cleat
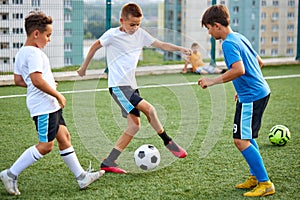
262,189
251,182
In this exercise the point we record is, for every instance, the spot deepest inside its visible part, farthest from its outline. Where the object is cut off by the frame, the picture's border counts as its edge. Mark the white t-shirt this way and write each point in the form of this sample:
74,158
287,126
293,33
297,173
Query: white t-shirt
123,51
31,59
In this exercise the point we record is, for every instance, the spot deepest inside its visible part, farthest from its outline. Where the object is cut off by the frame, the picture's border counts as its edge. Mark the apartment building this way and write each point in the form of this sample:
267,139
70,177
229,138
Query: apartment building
278,27
270,25
66,43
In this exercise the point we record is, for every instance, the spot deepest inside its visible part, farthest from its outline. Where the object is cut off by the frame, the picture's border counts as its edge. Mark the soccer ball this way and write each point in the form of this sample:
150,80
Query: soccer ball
279,135
147,157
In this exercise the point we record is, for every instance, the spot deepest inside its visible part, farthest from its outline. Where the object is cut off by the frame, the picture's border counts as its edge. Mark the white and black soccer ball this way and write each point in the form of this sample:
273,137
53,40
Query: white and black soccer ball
147,157
279,135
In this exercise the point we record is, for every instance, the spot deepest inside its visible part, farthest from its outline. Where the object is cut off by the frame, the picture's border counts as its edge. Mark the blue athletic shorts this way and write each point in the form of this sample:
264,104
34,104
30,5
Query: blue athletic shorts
47,125
127,98
247,119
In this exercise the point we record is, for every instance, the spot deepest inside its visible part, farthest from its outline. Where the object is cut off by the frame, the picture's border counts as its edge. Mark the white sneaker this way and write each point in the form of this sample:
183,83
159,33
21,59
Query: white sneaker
89,178
10,184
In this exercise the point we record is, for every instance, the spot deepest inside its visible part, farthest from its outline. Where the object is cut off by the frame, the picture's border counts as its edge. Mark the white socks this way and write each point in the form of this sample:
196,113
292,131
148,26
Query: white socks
69,157
29,156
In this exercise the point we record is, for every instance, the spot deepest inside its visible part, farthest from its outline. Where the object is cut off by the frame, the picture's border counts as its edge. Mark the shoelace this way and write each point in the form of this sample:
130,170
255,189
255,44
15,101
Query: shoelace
90,169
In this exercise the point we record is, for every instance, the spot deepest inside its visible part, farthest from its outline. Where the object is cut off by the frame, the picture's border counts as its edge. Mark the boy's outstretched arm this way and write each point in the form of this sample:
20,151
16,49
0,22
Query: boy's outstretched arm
171,47
97,45
237,69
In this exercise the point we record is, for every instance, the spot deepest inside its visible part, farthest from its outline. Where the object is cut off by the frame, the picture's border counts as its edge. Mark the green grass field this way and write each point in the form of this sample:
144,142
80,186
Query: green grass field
199,120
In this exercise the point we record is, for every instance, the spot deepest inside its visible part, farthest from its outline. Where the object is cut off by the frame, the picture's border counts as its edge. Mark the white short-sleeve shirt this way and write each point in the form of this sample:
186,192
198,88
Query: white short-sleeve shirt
123,52
31,59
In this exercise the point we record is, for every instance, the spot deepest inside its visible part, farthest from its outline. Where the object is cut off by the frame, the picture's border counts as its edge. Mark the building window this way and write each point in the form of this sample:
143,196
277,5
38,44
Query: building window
235,9
290,39
263,15
253,3
275,15
290,27
262,52
253,40
274,52
4,31
275,3
4,16
67,17
17,15
275,28
68,61
235,21
68,47
290,51
4,2
4,60
274,40
17,2
253,27
291,16
68,4
35,3
68,32
17,30
263,28
262,40
4,45
263,3
17,45
291,3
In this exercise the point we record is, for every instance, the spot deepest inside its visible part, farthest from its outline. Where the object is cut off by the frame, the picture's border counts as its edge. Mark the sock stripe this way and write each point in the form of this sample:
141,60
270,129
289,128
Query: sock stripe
67,153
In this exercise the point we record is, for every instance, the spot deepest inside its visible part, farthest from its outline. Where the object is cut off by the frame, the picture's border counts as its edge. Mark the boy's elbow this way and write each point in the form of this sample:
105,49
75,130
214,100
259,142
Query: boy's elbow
18,80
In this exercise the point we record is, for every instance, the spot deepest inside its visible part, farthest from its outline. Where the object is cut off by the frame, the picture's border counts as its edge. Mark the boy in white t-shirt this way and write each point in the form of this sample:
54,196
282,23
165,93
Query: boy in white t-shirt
32,70
124,45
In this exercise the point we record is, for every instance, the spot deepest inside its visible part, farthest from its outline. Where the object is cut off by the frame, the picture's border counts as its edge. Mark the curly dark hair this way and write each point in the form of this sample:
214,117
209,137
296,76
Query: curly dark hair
36,20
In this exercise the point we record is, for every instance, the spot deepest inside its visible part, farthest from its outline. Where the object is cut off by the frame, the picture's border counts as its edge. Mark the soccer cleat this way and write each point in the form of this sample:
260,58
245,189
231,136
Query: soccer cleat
251,182
89,178
10,184
262,189
114,170
112,167
176,150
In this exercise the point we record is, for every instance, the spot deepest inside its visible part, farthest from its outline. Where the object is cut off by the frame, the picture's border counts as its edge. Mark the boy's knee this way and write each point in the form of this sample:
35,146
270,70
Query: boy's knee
45,147
133,128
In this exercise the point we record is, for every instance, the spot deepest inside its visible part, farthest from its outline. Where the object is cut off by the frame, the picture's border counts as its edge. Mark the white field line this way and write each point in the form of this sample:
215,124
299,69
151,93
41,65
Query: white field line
148,86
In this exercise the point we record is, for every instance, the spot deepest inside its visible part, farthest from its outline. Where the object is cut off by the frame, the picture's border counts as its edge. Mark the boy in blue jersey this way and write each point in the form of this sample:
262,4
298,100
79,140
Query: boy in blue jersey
244,70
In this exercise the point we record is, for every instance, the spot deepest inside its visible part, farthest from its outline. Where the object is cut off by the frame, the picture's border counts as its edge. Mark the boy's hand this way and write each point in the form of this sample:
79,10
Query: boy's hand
186,51
204,82
81,71
61,100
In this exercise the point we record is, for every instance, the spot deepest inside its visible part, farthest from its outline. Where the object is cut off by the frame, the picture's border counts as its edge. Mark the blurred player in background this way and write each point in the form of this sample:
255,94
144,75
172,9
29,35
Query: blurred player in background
198,66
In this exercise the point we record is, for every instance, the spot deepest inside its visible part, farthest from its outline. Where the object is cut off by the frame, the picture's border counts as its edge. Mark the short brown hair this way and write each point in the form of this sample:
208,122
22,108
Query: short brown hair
195,45
131,9
216,13
36,20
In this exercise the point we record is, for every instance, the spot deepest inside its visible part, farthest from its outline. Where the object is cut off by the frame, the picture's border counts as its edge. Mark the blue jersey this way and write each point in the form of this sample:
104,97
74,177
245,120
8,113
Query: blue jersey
251,86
